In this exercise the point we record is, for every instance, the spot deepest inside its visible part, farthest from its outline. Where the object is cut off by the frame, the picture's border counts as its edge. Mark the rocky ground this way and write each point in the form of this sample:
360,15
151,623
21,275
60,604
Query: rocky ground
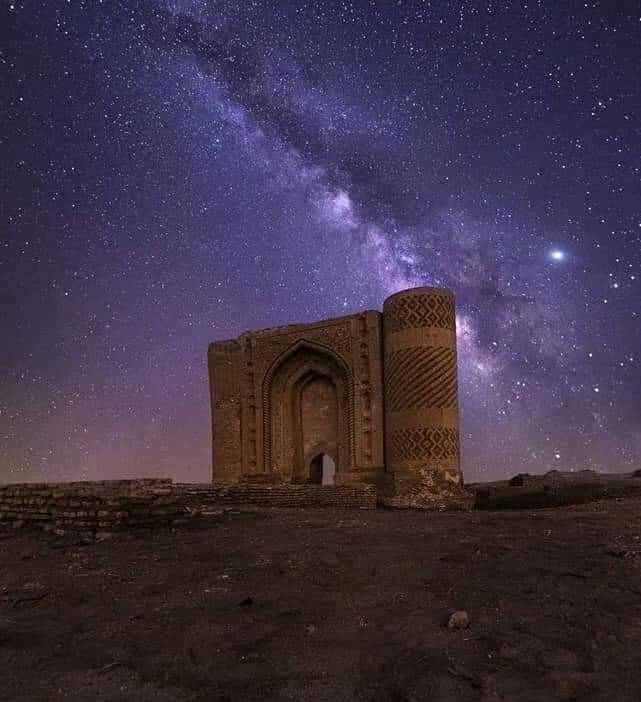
330,605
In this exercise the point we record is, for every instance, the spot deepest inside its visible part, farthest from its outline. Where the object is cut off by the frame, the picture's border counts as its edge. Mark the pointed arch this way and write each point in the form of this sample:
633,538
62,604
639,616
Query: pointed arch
282,388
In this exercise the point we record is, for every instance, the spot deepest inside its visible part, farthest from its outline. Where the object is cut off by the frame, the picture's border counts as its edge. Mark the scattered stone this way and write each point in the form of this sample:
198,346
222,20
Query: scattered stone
34,598
108,667
103,535
458,620
247,602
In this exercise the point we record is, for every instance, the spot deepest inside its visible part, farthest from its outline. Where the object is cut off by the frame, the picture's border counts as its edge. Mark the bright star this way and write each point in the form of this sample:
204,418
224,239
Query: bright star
557,255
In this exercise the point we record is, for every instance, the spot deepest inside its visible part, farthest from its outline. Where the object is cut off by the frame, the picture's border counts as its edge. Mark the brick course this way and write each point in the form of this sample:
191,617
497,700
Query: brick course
360,496
102,507
92,507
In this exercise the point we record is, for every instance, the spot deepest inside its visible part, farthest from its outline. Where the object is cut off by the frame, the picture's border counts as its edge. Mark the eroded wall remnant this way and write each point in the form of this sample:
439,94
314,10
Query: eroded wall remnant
92,507
98,509
371,397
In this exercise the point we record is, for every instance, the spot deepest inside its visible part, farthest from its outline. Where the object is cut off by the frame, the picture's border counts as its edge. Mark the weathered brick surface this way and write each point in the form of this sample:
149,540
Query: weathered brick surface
360,495
92,506
113,505
426,490
377,393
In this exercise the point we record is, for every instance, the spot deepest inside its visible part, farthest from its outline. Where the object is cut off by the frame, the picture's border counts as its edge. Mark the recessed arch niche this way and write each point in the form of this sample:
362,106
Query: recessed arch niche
307,411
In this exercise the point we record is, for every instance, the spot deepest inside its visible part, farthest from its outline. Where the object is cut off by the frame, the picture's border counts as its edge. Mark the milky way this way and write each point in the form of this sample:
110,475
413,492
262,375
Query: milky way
176,173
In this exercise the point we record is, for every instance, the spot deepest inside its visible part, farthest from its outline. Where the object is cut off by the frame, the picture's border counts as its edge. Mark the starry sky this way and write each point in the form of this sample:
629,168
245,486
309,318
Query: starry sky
174,173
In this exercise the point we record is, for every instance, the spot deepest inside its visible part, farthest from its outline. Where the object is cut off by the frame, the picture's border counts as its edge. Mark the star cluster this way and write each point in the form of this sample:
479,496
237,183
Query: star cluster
176,172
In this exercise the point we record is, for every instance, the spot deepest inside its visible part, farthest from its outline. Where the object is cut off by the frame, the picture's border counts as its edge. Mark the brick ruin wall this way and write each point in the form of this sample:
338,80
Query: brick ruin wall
356,496
91,508
102,507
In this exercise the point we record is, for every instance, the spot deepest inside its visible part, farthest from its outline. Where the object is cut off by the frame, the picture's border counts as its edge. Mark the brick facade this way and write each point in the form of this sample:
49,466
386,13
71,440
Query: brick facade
376,393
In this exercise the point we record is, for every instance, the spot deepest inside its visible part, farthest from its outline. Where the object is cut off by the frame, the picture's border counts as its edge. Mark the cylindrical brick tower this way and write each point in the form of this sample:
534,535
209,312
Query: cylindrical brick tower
421,401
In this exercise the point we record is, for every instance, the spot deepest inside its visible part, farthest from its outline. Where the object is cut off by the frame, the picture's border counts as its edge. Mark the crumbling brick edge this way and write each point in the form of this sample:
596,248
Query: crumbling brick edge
99,508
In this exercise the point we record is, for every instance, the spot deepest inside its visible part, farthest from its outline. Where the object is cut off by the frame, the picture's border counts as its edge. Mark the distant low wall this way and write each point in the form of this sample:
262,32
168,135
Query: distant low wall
555,489
92,507
359,496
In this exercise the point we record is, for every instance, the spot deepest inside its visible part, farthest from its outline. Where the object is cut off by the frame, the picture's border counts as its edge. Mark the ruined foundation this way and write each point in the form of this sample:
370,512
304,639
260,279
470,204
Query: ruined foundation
92,508
98,509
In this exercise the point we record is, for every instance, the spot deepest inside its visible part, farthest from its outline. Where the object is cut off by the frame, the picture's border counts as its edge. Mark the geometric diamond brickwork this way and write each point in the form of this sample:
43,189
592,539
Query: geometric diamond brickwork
415,311
423,443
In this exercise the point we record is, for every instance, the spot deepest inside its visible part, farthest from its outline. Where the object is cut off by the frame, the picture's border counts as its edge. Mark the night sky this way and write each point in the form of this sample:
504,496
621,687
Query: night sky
174,173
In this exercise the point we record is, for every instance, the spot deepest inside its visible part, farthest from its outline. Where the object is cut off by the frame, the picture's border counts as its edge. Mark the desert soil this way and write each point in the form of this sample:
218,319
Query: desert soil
330,605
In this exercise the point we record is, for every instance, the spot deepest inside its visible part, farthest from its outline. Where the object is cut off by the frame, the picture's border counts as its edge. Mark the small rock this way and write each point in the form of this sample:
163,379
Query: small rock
311,629
458,620
247,602
103,535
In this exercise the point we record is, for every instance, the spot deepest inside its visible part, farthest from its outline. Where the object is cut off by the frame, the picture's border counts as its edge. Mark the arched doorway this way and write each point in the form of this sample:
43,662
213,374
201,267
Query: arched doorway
317,406
322,470
307,412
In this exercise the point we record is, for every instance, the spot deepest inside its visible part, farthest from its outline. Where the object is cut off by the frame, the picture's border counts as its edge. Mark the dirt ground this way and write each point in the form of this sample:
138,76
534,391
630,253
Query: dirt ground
330,605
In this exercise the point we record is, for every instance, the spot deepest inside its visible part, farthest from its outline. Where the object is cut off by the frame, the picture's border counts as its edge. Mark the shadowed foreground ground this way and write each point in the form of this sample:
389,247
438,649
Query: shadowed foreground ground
328,605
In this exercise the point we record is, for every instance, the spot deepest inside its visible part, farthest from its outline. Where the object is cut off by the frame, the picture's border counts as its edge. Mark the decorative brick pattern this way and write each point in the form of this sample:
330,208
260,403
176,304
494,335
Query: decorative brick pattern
365,416
271,343
421,377
374,391
440,443
250,445
416,311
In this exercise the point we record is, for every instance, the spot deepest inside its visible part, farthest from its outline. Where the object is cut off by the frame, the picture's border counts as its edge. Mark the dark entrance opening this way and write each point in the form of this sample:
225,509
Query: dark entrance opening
322,470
